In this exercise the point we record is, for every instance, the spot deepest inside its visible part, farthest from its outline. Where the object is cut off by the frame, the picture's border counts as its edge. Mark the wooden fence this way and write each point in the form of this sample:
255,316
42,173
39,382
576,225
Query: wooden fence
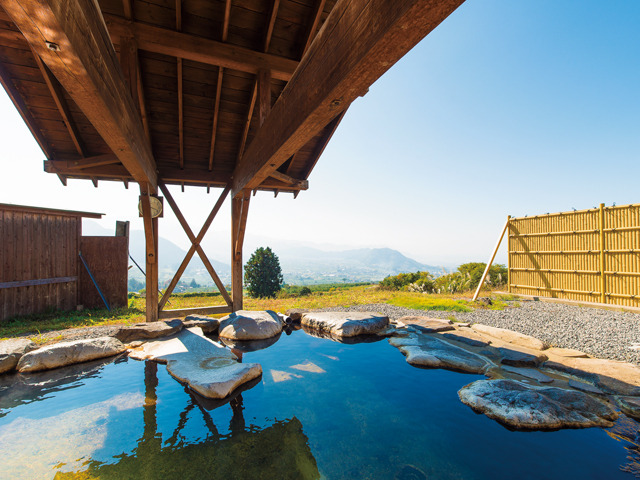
585,255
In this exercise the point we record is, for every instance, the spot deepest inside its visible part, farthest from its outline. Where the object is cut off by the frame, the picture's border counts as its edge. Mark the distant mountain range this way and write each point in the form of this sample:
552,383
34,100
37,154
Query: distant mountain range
300,264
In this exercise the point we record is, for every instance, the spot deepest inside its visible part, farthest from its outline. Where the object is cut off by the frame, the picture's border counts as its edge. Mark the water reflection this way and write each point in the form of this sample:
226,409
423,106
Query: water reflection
280,450
346,340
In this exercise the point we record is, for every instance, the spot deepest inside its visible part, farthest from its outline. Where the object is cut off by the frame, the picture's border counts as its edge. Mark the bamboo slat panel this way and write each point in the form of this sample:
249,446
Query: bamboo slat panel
586,255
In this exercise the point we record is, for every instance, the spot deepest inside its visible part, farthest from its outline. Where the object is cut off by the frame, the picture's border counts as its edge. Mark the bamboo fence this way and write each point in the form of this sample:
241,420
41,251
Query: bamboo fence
586,255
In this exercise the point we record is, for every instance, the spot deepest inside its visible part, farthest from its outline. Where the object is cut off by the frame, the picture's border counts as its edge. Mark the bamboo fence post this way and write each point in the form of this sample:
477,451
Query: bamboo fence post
602,274
509,254
495,251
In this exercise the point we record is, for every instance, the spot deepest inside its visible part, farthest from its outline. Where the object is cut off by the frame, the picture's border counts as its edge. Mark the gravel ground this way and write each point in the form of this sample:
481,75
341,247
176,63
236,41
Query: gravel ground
600,333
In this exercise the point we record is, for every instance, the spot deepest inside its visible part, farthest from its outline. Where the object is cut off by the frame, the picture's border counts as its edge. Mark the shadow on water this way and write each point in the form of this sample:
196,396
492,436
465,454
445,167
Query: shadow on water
280,450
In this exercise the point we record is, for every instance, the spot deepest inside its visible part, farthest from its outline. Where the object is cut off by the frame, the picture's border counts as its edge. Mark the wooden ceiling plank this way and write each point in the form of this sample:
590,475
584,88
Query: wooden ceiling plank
78,51
58,97
358,43
24,112
331,129
192,47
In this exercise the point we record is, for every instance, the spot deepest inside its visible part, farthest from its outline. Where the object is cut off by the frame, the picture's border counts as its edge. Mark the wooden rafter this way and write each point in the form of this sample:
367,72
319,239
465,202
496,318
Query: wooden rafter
89,162
272,20
72,40
195,245
192,47
333,74
330,130
61,103
24,112
216,108
313,26
304,184
180,90
247,121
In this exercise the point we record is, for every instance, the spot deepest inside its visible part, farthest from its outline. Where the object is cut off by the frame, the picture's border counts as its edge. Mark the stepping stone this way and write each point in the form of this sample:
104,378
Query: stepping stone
529,373
467,338
585,387
432,352
518,358
148,331
527,407
12,350
510,336
250,325
428,324
207,324
388,332
566,352
345,324
69,353
207,367
296,313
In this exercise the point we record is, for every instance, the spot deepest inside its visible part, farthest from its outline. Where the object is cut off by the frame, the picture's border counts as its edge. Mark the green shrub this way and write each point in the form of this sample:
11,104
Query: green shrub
262,274
304,291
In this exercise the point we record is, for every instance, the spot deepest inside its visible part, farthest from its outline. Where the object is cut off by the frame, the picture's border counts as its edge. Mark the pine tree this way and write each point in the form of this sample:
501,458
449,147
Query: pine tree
262,274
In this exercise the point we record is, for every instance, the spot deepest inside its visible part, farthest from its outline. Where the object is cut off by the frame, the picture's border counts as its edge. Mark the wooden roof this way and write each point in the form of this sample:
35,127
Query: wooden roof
10,207
200,78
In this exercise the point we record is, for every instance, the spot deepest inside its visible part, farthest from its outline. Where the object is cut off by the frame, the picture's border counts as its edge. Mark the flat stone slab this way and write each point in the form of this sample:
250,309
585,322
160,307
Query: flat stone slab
509,336
585,387
519,358
389,331
615,378
467,338
12,350
431,352
69,353
536,408
428,324
250,325
345,324
207,367
531,373
149,331
207,324
566,352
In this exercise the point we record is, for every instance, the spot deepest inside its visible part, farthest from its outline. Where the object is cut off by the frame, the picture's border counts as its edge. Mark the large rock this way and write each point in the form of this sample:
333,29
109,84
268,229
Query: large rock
68,353
345,324
520,358
531,373
206,366
612,377
536,408
467,337
427,324
630,406
207,324
12,350
149,331
509,336
249,325
426,351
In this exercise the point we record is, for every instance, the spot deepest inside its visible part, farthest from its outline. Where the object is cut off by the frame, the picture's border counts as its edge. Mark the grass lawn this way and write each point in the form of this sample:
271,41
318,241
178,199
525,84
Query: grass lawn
34,325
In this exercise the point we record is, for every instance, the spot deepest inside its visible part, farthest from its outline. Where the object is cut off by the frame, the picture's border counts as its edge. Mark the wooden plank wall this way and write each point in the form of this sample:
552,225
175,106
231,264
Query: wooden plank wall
108,260
36,246
561,255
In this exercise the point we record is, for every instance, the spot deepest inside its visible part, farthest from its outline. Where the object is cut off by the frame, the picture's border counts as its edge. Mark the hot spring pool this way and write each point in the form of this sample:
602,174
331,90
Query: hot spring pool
321,410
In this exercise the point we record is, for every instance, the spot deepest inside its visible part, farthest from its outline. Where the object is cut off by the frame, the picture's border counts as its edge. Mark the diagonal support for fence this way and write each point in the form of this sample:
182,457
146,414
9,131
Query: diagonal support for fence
495,251
195,245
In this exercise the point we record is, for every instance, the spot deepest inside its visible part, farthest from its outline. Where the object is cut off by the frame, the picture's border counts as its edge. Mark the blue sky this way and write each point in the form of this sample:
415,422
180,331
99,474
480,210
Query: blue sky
508,107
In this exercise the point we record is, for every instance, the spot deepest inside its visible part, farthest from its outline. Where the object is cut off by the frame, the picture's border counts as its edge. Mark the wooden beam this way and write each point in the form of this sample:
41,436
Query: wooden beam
272,20
495,251
236,263
24,112
128,11
195,245
247,122
313,26
129,64
216,109
180,89
192,47
358,43
183,312
61,103
107,159
264,94
242,225
329,131
290,180
148,228
227,16
72,40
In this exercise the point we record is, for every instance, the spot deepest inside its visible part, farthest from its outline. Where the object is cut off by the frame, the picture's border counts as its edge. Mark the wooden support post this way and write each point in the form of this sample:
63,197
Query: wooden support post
603,297
239,211
495,251
151,238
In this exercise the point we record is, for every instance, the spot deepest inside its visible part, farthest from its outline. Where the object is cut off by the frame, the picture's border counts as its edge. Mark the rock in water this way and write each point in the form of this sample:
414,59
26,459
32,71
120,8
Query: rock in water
248,325
68,353
427,324
206,366
147,331
518,358
207,324
536,408
12,350
431,352
345,324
